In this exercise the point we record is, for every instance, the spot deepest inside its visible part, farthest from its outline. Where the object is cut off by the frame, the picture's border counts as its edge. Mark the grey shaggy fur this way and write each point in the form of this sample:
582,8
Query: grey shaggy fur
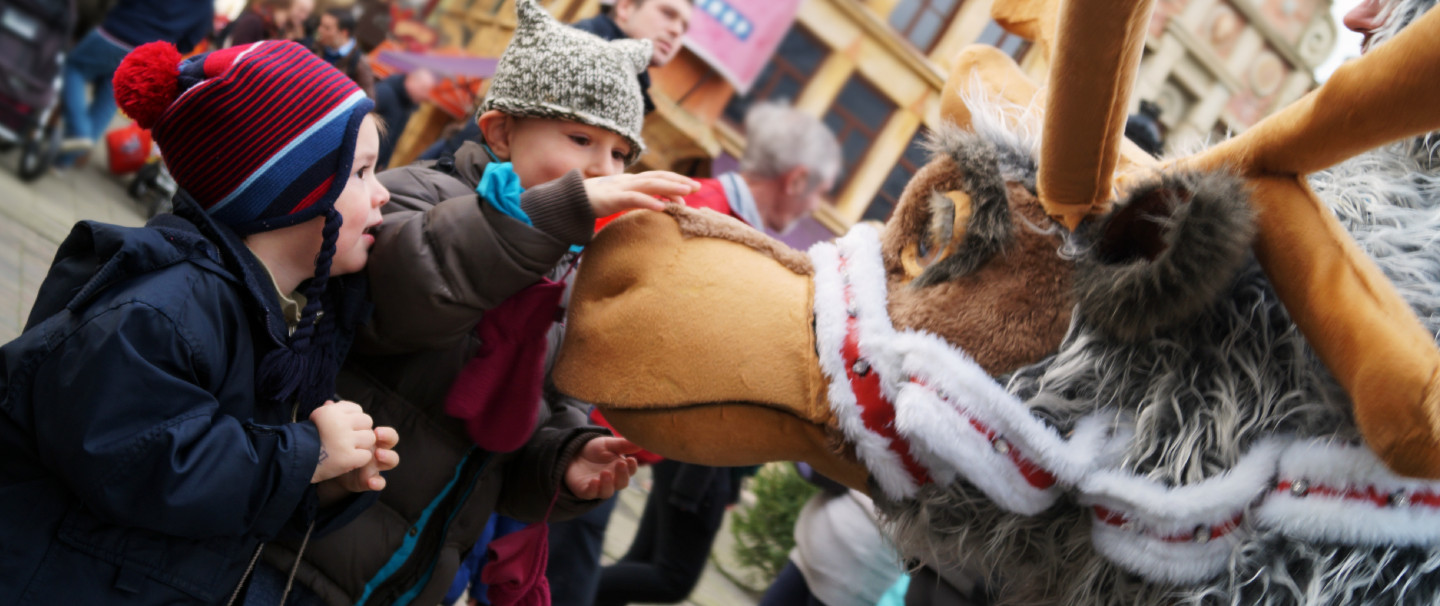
1164,254
1198,395
985,167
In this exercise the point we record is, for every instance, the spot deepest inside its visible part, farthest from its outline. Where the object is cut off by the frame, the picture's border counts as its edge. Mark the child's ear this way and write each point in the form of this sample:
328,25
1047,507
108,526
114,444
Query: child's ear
497,128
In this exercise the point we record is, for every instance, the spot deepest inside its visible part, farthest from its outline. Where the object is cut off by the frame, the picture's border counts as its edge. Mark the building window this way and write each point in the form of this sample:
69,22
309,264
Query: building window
922,21
1009,43
856,117
795,61
889,196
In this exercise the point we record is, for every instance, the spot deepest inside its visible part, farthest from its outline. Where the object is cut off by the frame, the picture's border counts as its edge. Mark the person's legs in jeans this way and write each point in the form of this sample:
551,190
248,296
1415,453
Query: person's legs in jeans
102,102
575,549
90,65
75,98
670,553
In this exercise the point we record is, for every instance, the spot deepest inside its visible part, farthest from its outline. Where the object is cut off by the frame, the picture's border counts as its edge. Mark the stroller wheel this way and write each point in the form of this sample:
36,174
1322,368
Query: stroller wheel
36,153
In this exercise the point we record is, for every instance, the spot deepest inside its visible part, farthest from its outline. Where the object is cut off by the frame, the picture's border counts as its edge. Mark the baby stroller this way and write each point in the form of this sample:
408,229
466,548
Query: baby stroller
34,37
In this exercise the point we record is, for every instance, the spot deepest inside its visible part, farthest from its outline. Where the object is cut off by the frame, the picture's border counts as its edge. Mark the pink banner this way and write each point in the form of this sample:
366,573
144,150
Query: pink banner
737,37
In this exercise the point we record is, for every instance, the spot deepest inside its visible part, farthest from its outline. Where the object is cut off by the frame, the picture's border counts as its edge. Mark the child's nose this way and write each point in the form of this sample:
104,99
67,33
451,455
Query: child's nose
601,165
381,196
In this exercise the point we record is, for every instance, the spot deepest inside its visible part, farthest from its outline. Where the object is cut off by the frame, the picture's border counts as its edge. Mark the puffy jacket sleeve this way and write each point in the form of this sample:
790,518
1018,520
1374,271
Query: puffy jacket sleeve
435,269
538,468
123,415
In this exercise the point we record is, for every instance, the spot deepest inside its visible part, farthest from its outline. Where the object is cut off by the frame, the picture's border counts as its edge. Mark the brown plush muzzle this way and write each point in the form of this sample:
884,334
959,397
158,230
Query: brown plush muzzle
700,348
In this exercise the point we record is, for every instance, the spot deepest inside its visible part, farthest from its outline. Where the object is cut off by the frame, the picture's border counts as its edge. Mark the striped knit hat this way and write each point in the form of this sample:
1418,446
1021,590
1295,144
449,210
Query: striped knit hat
262,137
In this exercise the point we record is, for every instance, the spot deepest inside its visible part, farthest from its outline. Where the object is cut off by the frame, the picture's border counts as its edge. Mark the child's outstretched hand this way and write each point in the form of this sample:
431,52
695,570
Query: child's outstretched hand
346,439
617,193
601,468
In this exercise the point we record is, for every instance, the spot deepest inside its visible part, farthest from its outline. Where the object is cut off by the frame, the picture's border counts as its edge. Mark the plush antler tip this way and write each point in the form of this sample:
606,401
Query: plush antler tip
1070,218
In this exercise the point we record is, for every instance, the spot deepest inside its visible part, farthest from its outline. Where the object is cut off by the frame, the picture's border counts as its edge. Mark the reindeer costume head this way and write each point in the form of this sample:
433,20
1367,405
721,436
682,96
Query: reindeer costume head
1089,376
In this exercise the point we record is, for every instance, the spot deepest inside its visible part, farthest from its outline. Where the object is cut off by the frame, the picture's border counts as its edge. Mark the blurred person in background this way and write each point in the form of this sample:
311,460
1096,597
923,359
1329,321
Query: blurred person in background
270,20
663,22
88,97
396,99
790,163
372,23
1145,130
841,558
335,43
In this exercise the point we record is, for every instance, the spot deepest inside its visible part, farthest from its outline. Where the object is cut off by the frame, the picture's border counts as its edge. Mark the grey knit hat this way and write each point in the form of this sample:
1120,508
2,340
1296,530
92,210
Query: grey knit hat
554,71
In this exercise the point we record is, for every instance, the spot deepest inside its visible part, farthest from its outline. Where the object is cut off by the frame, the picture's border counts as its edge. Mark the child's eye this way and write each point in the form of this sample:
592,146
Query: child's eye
361,171
618,154
580,140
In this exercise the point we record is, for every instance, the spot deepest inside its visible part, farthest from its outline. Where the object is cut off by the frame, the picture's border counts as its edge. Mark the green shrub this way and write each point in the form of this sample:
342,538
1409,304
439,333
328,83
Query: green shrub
765,531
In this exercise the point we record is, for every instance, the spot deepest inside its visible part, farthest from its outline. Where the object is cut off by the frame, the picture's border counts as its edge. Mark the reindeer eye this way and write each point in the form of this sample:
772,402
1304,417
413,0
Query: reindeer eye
949,212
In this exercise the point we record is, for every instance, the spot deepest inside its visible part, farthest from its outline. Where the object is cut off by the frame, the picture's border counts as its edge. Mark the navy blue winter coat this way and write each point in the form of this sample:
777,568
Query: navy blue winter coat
136,465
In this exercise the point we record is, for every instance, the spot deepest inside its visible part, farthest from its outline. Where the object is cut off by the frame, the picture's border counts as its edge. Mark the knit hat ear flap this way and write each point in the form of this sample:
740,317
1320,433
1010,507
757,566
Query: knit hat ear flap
302,369
637,52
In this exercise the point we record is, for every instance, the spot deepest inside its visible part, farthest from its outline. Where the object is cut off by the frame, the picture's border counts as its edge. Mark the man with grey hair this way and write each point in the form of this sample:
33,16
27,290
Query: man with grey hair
791,161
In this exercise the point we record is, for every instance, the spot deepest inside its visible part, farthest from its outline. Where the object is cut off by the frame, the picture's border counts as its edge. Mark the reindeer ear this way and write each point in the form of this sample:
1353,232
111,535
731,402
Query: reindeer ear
1164,254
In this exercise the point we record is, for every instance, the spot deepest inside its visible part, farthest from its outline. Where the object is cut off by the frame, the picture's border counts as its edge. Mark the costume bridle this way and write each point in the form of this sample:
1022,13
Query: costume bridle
919,411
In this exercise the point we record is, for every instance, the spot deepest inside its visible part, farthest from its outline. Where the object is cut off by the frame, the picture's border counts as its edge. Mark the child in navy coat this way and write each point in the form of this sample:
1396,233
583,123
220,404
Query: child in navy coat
167,409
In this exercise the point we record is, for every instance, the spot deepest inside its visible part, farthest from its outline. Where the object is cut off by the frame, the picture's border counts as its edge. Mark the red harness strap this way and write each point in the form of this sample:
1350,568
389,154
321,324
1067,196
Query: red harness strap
877,411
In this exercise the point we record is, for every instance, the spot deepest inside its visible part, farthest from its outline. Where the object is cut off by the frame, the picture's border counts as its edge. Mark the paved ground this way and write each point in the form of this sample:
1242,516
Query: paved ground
36,217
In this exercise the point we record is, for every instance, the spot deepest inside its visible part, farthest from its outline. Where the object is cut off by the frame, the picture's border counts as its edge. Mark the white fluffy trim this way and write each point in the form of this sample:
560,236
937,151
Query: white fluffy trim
831,317
1343,494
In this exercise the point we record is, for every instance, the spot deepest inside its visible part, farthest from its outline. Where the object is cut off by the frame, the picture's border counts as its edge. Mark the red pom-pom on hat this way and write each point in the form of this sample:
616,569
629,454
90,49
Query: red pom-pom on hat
148,81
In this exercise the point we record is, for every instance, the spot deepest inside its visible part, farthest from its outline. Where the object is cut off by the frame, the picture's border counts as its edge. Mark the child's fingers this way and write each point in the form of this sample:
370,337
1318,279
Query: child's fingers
622,475
658,187
607,485
376,483
671,176
361,421
358,458
364,439
622,446
386,459
632,200
386,437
